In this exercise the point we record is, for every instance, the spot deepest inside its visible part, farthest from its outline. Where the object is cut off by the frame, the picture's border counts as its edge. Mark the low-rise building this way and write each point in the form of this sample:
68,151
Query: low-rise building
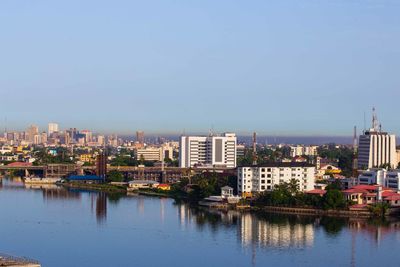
383,177
149,153
264,177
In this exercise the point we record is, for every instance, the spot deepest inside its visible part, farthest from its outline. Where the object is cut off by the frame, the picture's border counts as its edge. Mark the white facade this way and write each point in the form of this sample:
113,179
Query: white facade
375,149
386,178
52,128
262,178
216,151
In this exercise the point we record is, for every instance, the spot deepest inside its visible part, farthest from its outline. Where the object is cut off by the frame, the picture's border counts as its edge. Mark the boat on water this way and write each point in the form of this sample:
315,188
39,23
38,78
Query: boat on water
226,198
40,180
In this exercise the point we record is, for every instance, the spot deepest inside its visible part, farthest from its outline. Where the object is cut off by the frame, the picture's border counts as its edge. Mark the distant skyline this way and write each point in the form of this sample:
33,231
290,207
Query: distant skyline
279,67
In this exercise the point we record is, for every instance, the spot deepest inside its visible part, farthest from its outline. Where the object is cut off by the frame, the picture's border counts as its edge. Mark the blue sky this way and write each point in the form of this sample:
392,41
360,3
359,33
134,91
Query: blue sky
271,66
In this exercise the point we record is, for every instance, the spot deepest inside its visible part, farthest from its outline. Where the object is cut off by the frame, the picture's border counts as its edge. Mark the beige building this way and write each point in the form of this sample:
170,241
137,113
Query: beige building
149,153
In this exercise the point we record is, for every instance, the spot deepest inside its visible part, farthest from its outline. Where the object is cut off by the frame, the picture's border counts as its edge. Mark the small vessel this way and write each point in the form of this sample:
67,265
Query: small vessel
40,180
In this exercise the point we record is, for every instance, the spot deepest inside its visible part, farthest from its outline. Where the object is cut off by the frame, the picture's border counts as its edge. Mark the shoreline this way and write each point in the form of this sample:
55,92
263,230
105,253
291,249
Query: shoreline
108,188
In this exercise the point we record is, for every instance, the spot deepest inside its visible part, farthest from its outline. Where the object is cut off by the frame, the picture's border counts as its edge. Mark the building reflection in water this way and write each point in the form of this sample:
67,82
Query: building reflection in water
264,233
98,205
140,204
53,192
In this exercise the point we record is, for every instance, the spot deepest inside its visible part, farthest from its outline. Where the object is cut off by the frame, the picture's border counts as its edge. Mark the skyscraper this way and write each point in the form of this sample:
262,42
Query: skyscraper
52,127
32,131
376,148
140,137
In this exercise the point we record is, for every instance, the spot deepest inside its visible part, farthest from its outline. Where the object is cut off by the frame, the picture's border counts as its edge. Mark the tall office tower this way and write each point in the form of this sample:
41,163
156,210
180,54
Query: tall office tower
72,132
31,132
52,127
100,140
88,135
376,148
140,137
101,165
209,151
43,137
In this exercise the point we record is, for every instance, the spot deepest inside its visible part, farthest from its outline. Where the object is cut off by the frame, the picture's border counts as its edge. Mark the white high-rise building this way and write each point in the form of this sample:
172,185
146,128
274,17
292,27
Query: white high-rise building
376,148
212,151
52,128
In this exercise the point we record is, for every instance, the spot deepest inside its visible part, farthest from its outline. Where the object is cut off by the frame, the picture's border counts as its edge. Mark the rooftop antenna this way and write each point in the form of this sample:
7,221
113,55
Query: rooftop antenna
254,148
375,122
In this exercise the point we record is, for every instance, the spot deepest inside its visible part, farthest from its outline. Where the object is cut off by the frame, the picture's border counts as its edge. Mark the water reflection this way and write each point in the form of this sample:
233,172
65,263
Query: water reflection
101,207
258,233
282,231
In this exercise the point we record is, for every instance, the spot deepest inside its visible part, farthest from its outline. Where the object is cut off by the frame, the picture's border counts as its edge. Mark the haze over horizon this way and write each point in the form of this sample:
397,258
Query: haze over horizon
291,68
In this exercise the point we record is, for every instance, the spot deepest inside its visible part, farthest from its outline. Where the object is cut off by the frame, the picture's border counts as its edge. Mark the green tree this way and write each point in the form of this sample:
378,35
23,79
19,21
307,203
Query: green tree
333,199
379,210
115,176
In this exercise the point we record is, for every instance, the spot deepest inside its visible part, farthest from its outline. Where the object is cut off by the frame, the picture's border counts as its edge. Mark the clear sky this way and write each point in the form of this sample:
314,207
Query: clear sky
273,66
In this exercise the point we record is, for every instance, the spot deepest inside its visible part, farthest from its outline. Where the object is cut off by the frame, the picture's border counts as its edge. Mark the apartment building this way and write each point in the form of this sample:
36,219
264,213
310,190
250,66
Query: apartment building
260,178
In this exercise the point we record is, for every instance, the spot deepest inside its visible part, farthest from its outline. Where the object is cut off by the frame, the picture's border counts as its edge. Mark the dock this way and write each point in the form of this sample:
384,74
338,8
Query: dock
12,261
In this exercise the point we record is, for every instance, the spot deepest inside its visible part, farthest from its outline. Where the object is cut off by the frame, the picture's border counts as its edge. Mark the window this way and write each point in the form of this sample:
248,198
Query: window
262,175
269,175
268,181
263,181
263,170
269,170
263,187
269,187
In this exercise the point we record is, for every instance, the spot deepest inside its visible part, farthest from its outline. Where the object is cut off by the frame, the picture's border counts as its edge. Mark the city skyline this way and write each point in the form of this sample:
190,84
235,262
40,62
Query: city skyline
132,132
276,67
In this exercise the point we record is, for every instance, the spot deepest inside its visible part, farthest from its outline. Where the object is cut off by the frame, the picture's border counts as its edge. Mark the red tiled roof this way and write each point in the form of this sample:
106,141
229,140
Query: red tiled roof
355,191
388,193
393,197
365,187
316,192
19,164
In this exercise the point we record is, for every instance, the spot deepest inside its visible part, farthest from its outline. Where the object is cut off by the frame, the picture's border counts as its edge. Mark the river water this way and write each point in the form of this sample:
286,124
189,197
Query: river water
60,227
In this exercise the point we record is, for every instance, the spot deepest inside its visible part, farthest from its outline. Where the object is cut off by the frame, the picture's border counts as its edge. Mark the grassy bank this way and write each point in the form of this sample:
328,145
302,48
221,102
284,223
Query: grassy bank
107,188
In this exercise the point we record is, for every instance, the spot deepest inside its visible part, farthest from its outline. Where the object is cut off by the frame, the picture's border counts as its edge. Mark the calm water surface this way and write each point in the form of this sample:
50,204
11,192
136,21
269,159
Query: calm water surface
62,227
